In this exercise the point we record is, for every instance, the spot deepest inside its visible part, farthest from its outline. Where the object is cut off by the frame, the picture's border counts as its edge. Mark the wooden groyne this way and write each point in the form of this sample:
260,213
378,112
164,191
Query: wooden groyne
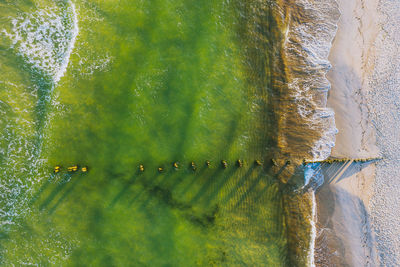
175,165
333,160
224,164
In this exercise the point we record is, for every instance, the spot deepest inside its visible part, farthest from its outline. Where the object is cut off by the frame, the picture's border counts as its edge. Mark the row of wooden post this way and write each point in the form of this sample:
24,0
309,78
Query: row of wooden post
332,160
175,165
71,169
224,164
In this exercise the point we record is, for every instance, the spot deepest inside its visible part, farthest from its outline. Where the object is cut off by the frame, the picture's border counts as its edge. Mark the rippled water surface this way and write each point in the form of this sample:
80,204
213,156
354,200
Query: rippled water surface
116,84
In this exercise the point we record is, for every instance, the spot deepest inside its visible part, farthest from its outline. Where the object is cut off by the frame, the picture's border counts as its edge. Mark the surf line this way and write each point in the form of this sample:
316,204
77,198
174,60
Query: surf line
71,46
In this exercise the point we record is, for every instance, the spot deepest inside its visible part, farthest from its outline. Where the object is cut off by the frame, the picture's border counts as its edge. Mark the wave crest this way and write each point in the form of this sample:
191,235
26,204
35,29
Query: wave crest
307,125
45,38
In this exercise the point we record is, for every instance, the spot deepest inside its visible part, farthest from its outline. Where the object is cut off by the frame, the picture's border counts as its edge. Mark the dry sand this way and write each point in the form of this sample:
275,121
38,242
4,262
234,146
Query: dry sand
352,56
349,232
384,104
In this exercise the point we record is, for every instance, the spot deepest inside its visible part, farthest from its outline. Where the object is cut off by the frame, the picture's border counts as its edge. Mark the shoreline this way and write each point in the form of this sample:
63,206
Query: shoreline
344,231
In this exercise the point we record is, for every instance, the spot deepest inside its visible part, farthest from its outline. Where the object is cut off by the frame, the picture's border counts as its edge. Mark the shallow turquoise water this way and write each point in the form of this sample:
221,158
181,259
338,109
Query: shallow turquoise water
147,82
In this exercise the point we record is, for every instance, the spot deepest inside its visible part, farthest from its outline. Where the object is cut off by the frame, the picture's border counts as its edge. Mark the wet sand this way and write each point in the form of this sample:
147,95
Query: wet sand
359,214
345,235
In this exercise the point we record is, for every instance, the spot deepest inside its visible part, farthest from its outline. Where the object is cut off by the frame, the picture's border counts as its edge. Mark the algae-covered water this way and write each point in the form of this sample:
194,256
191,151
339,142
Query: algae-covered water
115,84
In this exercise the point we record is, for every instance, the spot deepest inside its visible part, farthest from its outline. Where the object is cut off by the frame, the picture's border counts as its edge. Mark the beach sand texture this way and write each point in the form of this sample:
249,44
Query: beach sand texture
383,101
358,214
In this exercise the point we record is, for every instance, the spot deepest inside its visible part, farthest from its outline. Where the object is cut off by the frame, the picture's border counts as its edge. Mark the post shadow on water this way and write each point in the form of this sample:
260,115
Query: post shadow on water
156,188
179,175
269,178
125,187
226,140
208,192
159,182
139,177
58,188
282,169
209,180
66,184
162,186
42,188
175,176
252,188
240,183
274,178
69,188
197,177
166,197
218,182
146,184
191,179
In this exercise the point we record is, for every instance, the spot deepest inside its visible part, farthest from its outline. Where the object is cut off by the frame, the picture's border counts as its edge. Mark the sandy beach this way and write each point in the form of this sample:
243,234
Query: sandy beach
358,214
383,101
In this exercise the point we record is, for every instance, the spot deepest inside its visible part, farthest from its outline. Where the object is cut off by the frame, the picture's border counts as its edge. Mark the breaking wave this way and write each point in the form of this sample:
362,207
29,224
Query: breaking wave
46,38
307,125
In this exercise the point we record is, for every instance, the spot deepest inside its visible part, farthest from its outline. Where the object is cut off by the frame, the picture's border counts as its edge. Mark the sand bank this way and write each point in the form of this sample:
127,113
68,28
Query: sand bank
345,236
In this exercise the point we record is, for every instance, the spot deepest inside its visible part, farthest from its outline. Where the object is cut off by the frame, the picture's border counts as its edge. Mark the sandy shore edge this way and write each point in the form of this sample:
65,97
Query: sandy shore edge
345,236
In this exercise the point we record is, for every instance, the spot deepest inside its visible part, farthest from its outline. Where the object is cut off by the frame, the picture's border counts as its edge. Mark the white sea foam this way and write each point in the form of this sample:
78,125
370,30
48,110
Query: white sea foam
308,43
46,38
93,63
313,179
309,35
311,261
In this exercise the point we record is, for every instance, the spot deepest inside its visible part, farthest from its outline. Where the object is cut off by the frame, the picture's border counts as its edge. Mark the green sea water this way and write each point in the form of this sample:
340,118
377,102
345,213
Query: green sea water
115,84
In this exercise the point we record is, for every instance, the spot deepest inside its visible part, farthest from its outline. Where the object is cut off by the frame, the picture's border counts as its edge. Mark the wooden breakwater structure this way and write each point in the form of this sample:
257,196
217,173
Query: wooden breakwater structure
239,163
335,168
342,160
175,165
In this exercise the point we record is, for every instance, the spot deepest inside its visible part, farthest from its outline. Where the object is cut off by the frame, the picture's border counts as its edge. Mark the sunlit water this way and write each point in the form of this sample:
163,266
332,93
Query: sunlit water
116,84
